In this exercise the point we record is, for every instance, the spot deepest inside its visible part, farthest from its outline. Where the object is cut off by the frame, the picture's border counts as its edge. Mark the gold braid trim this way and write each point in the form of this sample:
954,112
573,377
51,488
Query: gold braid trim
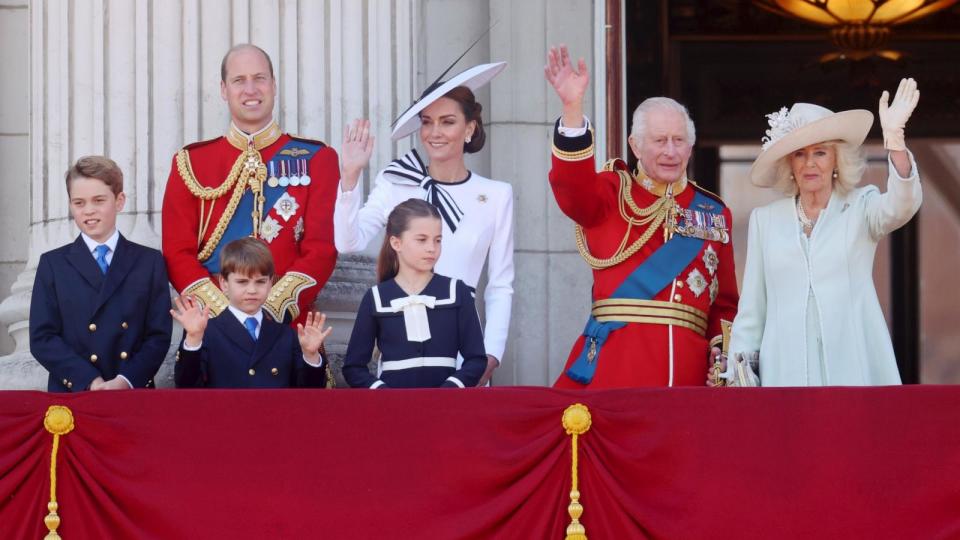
285,293
658,213
576,421
248,169
207,294
58,420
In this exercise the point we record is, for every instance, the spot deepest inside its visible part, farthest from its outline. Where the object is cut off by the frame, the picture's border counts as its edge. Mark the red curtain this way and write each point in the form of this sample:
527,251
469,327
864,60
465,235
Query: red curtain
486,463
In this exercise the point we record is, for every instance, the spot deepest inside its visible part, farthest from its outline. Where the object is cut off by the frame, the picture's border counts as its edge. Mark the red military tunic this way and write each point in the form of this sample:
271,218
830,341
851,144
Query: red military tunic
652,352
298,228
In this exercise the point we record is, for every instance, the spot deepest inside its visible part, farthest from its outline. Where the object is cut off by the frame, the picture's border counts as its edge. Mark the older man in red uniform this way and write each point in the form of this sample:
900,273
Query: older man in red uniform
659,246
253,181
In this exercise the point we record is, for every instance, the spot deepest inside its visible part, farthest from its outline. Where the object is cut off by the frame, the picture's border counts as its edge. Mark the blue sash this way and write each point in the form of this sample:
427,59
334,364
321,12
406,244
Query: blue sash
241,225
649,278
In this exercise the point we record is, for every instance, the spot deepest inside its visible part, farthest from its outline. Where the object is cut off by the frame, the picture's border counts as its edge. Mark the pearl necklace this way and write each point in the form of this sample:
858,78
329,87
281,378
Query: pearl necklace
804,220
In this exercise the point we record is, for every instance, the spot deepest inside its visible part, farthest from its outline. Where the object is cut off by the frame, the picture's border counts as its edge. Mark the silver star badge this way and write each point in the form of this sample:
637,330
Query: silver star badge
696,282
286,206
711,260
269,229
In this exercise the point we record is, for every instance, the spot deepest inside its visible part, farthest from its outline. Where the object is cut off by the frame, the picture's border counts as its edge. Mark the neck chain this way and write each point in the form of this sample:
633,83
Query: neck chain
804,220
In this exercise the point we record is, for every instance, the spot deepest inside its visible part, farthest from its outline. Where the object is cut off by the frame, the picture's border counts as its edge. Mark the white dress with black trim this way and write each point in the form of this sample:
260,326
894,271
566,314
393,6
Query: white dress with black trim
419,337
477,225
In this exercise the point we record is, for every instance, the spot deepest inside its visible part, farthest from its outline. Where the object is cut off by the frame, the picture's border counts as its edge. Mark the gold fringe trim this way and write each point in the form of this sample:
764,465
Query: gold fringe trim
573,156
576,422
58,420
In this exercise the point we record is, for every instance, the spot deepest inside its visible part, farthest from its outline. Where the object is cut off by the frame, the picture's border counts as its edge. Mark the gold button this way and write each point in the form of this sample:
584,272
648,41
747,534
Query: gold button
124,325
149,383
92,327
65,382
677,298
123,355
69,384
679,284
93,358
251,372
178,356
274,371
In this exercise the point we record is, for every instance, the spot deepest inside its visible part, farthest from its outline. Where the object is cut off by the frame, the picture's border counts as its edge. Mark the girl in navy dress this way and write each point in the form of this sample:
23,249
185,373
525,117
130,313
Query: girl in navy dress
418,319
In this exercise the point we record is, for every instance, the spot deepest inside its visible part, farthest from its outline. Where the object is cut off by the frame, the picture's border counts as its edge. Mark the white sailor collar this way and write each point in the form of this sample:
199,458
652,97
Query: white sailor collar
442,290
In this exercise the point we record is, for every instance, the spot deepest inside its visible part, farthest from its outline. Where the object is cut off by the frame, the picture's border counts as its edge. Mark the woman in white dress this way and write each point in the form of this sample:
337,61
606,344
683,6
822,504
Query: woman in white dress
809,306
477,212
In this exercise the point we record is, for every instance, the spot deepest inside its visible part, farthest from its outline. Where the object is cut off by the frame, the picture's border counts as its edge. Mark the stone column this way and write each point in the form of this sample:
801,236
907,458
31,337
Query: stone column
138,79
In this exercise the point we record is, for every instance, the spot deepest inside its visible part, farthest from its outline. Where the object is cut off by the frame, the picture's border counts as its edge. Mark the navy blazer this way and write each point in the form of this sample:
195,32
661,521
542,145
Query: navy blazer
230,358
84,324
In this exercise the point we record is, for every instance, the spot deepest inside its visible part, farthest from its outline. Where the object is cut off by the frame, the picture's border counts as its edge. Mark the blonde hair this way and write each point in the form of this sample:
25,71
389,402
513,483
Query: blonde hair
850,166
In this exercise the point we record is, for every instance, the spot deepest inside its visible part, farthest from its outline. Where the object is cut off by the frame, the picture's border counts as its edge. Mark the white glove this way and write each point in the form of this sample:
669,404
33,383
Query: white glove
894,118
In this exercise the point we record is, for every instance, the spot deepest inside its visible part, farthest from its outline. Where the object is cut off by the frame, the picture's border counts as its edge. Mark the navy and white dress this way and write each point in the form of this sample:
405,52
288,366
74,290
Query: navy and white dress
419,337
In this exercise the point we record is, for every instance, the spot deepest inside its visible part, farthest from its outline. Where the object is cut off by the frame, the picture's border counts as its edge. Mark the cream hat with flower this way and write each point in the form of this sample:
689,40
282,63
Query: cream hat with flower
805,124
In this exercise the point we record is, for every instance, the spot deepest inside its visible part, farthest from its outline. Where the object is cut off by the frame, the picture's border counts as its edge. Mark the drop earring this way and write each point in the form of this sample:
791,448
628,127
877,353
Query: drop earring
836,174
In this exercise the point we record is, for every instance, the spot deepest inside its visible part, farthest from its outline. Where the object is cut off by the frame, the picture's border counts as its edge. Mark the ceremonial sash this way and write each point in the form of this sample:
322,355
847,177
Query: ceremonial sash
241,225
649,278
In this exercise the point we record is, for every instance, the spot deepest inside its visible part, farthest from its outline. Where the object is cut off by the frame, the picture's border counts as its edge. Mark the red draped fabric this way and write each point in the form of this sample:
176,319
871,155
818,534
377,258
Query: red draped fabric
486,463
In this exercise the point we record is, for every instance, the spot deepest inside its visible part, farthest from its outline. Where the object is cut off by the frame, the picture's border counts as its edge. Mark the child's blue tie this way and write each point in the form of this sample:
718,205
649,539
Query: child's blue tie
251,324
102,251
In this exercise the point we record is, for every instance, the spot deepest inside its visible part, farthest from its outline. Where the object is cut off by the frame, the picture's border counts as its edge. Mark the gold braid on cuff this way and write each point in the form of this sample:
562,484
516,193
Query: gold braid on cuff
207,294
285,293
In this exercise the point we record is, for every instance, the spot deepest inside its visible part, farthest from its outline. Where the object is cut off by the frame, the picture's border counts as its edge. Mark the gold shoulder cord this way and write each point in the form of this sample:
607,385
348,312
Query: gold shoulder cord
655,215
247,170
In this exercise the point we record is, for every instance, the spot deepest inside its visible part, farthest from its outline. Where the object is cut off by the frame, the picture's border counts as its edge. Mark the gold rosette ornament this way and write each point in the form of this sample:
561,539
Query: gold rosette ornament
576,422
59,421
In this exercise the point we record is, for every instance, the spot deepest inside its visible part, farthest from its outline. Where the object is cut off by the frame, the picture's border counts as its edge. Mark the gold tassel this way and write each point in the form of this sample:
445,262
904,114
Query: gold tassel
59,421
576,422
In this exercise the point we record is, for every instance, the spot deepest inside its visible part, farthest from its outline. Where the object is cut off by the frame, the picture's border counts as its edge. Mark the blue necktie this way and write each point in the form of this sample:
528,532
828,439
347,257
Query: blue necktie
102,251
251,324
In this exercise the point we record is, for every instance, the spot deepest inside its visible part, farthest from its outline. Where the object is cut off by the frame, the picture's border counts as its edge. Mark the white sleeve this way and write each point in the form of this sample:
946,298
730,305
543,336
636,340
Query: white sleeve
747,333
498,295
353,226
889,211
574,132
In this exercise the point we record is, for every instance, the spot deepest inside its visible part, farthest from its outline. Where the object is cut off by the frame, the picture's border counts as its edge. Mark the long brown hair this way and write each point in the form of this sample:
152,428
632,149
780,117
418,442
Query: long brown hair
399,221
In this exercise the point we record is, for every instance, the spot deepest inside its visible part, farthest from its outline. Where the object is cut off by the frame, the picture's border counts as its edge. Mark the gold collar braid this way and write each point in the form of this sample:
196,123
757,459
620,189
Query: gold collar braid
662,212
259,140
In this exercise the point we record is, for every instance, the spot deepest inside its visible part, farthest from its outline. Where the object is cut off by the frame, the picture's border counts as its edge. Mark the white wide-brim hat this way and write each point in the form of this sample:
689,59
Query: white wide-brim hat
473,78
803,125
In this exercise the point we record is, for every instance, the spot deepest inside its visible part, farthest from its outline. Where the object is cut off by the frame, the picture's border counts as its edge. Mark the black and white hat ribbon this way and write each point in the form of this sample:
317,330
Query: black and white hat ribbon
409,170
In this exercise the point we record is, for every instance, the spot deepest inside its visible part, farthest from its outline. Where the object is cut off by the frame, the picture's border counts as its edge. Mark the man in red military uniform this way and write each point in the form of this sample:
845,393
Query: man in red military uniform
253,181
659,246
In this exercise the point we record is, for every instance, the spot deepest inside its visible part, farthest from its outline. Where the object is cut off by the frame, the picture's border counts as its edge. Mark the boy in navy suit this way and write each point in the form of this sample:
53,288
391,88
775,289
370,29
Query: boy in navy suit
244,348
99,314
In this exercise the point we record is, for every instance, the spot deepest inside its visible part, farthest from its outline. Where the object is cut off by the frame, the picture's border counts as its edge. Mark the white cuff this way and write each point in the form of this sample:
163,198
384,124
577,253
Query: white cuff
377,384
318,363
893,170
189,348
346,195
126,380
574,132
456,381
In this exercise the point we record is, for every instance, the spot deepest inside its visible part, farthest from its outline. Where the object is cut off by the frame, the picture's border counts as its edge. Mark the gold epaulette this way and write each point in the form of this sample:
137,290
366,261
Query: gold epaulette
285,293
615,164
207,294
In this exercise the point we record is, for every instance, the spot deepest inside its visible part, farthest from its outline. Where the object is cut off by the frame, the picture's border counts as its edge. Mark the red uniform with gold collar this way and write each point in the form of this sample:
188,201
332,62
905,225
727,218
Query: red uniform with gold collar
213,196
663,340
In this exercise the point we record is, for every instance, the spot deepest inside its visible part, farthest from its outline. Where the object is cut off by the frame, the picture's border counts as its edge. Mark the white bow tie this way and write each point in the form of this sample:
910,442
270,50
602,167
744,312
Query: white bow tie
414,310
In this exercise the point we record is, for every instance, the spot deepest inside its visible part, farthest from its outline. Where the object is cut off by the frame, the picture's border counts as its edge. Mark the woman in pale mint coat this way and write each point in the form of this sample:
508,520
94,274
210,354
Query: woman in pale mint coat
809,306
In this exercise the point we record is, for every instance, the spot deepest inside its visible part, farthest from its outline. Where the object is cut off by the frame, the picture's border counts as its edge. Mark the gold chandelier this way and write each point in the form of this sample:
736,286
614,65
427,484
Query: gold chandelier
858,28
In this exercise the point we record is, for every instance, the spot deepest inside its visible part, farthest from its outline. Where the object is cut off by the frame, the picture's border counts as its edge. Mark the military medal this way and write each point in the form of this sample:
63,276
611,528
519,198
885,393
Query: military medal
284,179
294,179
272,181
304,176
